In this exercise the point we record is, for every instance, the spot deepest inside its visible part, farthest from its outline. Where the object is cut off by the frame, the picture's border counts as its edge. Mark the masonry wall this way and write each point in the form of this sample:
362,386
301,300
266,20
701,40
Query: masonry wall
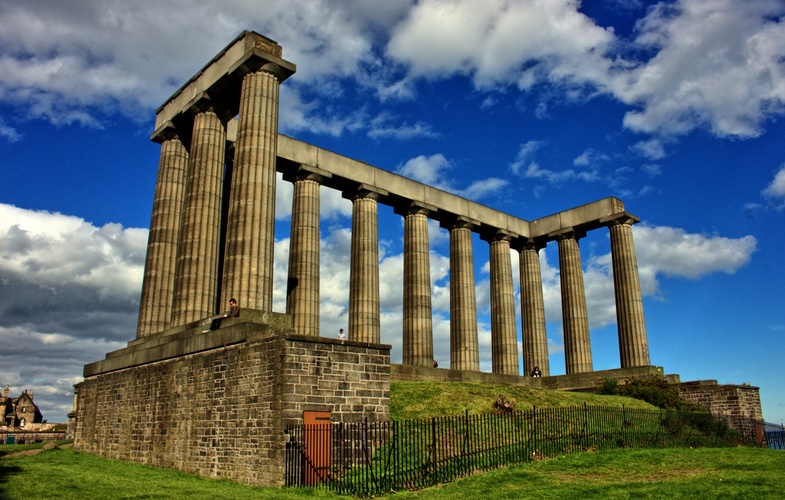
221,413
737,405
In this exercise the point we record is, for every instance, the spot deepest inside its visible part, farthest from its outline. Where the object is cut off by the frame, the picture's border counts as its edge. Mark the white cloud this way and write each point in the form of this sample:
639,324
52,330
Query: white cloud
716,64
775,191
674,252
493,40
70,295
433,171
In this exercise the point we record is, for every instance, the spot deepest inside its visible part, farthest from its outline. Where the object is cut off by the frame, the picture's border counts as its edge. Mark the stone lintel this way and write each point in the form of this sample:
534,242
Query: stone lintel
584,218
620,218
223,75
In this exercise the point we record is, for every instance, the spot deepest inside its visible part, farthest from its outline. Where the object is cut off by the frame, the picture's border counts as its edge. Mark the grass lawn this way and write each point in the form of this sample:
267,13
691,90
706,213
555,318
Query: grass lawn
62,473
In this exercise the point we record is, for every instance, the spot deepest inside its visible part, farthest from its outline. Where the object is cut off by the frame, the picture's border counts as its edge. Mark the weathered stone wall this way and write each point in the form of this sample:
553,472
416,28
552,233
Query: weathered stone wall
588,381
30,437
737,405
221,412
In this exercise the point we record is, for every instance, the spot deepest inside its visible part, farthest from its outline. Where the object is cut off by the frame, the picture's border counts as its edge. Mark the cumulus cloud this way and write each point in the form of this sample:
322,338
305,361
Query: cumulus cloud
501,43
716,64
775,191
433,171
662,253
70,294
710,64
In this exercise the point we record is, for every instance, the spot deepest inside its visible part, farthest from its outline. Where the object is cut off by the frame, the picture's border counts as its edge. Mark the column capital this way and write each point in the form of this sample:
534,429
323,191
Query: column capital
264,63
304,171
459,222
569,233
620,218
203,103
415,207
365,191
521,244
164,133
497,235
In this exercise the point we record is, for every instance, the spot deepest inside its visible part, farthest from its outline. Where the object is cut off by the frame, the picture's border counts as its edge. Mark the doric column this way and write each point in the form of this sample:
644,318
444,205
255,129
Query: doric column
577,346
196,277
417,313
464,345
302,292
364,308
633,343
155,309
535,340
504,341
250,231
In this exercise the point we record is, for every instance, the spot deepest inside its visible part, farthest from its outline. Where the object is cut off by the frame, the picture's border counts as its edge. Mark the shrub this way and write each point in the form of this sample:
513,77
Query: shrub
609,387
658,392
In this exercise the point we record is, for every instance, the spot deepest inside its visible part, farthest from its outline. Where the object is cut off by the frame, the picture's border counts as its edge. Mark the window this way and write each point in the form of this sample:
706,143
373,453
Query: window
22,423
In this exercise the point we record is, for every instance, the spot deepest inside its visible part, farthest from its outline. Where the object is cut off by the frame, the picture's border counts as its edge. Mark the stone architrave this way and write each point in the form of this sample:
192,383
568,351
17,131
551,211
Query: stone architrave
504,341
155,308
196,277
577,345
302,293
464,344
364,306
250,230
535,340
633,342
417,311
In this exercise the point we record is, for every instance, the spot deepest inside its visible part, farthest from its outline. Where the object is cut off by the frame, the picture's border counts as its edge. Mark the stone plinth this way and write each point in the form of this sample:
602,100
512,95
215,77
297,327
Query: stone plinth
184,401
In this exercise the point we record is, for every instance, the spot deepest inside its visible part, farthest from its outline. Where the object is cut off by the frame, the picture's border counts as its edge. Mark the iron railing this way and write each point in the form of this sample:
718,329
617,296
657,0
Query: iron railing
370,458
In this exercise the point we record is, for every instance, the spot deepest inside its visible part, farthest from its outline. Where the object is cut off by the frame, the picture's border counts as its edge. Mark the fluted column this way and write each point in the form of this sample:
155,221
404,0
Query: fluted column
364,307
197,261
504,340
577,346
464,344
417,312
633,342
155,308
250,232
535,340
302,293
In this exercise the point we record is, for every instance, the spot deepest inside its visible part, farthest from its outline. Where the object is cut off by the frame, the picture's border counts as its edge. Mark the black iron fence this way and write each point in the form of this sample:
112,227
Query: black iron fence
370,458
774,435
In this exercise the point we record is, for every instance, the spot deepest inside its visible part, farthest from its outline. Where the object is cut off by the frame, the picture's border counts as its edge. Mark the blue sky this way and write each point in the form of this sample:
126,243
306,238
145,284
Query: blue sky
528,107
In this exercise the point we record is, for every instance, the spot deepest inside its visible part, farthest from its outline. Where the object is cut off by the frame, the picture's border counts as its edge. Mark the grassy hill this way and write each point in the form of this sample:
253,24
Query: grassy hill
409,400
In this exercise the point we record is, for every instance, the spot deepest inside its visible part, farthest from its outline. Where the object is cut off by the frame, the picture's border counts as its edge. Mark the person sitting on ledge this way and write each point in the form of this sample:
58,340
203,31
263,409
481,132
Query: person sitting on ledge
536,372
233,312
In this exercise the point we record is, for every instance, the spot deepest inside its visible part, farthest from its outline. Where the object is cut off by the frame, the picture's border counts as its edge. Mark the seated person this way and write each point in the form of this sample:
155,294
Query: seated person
233,312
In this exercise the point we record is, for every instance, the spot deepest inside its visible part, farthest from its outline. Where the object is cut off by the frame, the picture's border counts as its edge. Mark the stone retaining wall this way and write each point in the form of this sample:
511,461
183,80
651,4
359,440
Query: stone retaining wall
221,411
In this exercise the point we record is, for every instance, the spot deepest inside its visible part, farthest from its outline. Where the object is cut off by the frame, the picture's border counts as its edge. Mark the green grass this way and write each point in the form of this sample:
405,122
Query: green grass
410,400
651,473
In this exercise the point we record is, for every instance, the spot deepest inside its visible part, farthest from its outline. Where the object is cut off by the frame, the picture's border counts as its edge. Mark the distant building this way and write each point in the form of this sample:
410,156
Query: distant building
21,413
